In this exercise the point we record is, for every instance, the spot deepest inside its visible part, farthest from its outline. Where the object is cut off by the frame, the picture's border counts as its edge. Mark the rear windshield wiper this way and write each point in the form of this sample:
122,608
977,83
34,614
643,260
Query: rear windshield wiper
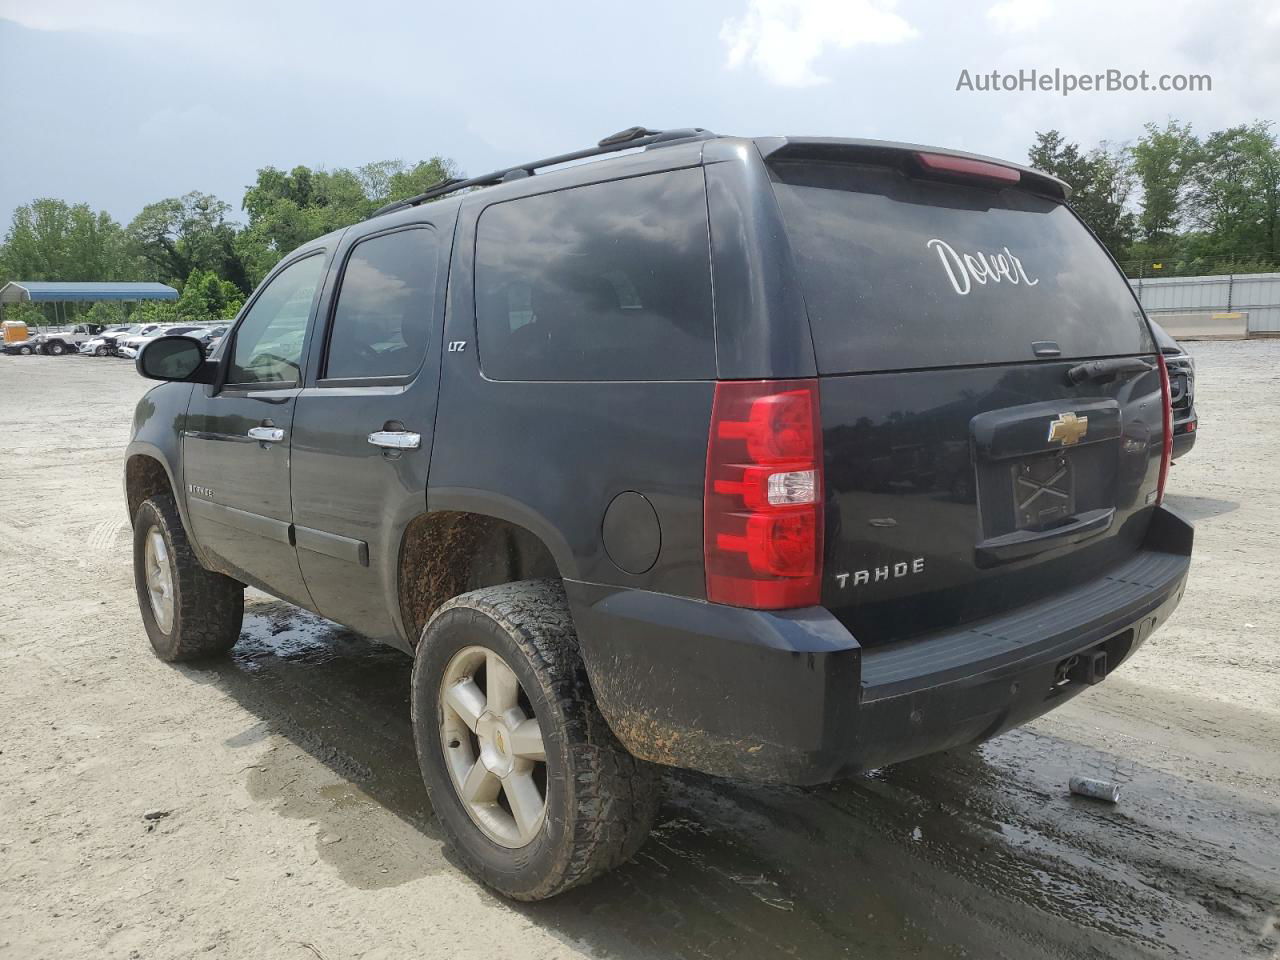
1107,369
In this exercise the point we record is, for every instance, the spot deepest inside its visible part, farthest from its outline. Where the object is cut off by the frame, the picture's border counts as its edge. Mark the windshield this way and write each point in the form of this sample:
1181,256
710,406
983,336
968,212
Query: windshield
901,273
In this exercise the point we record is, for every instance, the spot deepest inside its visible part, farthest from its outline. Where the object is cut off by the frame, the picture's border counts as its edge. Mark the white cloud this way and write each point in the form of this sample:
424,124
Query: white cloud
1019,16
783,38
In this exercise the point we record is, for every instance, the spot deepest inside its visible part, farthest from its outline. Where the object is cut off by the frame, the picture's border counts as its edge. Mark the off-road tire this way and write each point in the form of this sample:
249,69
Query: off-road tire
601,801
208,607
56,349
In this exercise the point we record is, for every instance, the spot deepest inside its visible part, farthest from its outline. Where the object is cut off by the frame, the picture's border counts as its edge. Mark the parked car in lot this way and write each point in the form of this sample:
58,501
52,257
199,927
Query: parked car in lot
66,341
1182,390
131,346
147,332
775,458
209,336
104,344
215,338
110,342
19,347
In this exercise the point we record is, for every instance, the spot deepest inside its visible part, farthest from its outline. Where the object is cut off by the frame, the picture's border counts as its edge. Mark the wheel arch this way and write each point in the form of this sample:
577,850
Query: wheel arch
444,553
145,475
147,472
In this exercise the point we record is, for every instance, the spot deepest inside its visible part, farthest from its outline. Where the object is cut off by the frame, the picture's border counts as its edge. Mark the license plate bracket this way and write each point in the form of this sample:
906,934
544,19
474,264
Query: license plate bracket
1043,491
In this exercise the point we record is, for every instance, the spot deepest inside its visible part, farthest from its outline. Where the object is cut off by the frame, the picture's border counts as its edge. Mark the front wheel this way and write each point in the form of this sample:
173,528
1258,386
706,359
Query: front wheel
55,349
528,782
189,612
99,351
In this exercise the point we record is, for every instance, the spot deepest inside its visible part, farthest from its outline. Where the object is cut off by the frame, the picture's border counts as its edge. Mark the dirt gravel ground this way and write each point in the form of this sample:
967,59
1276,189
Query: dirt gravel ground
295,826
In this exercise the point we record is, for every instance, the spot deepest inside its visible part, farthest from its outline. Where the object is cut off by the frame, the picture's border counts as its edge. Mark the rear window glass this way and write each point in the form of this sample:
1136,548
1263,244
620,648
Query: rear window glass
610,281
900,272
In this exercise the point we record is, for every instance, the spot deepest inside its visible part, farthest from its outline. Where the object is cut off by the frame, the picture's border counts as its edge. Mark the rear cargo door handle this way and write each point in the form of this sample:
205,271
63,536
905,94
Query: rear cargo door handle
266,434
396,439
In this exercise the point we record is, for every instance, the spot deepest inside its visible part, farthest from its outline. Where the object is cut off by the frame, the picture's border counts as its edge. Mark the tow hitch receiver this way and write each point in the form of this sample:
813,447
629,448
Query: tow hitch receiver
1089,667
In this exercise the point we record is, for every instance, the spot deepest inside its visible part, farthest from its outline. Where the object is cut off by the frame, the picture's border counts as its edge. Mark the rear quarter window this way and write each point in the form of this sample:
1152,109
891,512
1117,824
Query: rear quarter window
609,281
902,273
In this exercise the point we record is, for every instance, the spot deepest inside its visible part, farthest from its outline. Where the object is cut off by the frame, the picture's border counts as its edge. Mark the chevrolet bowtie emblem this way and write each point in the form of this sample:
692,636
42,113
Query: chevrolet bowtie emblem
1068,429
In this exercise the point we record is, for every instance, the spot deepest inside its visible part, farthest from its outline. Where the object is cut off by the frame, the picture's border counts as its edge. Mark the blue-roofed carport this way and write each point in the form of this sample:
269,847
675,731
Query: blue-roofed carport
58,291
55,291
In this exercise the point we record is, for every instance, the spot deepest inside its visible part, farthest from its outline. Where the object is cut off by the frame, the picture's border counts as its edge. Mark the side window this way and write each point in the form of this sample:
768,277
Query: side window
268,346
610,281
382,320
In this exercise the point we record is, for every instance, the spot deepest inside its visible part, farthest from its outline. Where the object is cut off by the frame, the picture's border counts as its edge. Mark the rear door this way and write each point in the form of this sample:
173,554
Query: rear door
968,471
236,445
363,427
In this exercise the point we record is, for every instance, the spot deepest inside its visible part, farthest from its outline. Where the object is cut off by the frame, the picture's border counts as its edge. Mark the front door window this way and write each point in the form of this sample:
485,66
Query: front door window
268,347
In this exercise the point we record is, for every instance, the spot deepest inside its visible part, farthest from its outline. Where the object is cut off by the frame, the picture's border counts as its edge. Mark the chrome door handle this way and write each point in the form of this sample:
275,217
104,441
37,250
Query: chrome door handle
396,439
266,434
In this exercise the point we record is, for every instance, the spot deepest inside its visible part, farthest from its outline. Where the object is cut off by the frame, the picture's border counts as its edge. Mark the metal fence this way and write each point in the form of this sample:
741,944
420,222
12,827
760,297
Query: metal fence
1254,294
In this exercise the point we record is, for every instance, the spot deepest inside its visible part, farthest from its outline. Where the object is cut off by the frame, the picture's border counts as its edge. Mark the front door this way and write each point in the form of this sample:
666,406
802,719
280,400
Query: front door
362,430
236,445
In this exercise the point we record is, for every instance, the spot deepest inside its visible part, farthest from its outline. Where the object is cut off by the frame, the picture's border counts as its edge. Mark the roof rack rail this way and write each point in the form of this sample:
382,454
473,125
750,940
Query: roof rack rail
628,139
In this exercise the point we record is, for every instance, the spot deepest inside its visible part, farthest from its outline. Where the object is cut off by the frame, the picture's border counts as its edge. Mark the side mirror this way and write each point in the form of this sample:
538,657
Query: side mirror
175,358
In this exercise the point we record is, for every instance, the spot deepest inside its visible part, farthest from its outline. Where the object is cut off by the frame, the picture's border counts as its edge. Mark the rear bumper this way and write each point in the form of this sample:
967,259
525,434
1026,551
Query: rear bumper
791,697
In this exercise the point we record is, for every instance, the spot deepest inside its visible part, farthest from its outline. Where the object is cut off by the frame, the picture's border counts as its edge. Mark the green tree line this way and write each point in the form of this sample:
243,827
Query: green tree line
192,243
1173,203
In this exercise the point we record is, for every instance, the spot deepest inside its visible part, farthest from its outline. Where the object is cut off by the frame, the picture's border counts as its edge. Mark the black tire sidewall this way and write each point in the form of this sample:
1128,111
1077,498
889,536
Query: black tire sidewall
522,872
164,644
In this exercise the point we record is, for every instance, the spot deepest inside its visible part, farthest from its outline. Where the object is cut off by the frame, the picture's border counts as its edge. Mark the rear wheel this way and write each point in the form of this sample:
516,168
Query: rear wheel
56,349
530,785
189,612
25,351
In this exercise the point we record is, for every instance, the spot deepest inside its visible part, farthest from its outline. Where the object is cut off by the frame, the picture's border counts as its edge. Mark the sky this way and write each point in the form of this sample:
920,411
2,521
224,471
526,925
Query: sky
118,103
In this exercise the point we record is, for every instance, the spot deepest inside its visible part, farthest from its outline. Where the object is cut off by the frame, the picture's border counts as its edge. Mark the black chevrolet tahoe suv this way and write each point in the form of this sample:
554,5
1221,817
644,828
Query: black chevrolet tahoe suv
778,459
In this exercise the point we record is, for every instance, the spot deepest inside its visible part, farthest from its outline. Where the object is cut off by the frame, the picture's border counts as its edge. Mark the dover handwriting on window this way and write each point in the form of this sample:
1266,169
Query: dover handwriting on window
966,269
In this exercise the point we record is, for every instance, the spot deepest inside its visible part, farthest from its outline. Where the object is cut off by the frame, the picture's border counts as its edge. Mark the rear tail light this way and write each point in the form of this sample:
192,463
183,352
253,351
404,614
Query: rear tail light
762,505
1166,449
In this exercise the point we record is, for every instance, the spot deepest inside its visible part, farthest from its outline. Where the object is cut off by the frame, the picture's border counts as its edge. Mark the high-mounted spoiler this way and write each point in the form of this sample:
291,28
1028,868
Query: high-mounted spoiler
922,160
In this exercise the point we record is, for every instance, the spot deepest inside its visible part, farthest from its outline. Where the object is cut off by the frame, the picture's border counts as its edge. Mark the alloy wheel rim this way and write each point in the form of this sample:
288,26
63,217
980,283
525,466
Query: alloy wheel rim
159,574
493,747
